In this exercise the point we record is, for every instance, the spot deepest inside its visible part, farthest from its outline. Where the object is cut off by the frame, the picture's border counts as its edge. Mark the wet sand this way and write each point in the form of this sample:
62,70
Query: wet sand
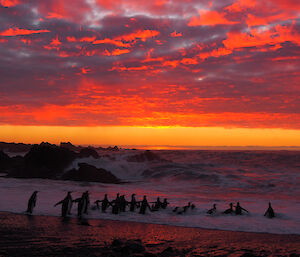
22,235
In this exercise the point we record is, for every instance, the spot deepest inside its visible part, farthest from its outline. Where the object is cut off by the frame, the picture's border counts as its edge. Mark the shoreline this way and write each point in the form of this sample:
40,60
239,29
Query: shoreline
147,223
25,235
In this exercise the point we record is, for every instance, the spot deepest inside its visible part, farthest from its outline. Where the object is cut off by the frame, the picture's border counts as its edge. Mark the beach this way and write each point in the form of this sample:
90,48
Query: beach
23,235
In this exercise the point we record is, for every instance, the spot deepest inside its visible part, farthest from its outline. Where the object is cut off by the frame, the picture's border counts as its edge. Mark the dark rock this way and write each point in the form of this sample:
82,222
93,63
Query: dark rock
116,242
146,254
70,146
87,152
248,255
87,172
144,157
115,148
135,246
44,161
5,161
15,147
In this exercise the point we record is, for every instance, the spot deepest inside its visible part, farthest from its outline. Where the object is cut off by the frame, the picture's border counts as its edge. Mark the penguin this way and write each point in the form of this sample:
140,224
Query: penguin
239,209
66,205
270,212
123,203
104,204
83,203
116,205
144,205
32,202
133,203
164,203
80,205
212,210
157,205
230,210
86,202
185,208
70,202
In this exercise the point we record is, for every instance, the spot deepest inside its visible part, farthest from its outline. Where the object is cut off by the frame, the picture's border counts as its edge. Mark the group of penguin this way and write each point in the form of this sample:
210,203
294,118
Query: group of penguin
239,210
119,205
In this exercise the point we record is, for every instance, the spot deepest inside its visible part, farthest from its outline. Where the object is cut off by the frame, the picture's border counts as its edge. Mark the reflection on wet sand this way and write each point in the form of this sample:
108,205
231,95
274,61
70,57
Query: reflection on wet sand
43,236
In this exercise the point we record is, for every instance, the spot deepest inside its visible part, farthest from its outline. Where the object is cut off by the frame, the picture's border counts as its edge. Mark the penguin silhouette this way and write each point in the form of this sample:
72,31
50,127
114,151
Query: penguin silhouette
116,205
212,210
144,205
230,210
164,203
157,204
133,203
32,202
86,202
270,212
185,208
239,209
104,205
123,203
80,205
66,205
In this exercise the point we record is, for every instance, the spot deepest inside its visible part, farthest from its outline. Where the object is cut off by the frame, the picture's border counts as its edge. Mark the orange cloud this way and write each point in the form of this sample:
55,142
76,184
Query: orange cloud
9,3
111,41
253,20
256,38
175,34
215,53
189,61
140,34
87,39
116,52
21,32
210,18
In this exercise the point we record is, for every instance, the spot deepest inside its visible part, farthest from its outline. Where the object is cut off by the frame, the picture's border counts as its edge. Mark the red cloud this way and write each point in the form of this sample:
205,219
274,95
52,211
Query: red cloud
21,32
140,34
9,3
175,34
256,38
111,41
210,18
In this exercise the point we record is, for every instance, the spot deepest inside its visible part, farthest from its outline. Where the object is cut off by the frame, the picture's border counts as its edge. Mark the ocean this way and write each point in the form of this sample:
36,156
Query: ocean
206,177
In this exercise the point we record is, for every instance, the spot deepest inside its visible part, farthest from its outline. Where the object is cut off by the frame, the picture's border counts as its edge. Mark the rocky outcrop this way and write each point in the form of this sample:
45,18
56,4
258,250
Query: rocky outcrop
70,146
50,162
90,173
44,161
5,161
87,152
146,156
15,147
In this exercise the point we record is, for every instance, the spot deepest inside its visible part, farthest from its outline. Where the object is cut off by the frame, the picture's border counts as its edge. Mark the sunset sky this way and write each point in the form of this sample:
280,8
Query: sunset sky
140,72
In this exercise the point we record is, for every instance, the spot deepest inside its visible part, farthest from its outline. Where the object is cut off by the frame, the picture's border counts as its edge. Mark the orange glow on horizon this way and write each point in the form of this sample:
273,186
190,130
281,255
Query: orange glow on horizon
152,136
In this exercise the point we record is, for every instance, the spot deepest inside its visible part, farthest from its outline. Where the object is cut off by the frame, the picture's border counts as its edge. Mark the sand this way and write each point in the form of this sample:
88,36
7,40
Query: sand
23,235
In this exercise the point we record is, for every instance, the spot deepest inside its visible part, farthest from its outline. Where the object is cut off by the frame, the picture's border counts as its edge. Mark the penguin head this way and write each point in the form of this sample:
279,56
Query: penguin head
215,206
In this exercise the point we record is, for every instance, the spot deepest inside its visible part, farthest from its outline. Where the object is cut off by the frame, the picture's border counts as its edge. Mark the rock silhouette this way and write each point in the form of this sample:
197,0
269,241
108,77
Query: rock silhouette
87,172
